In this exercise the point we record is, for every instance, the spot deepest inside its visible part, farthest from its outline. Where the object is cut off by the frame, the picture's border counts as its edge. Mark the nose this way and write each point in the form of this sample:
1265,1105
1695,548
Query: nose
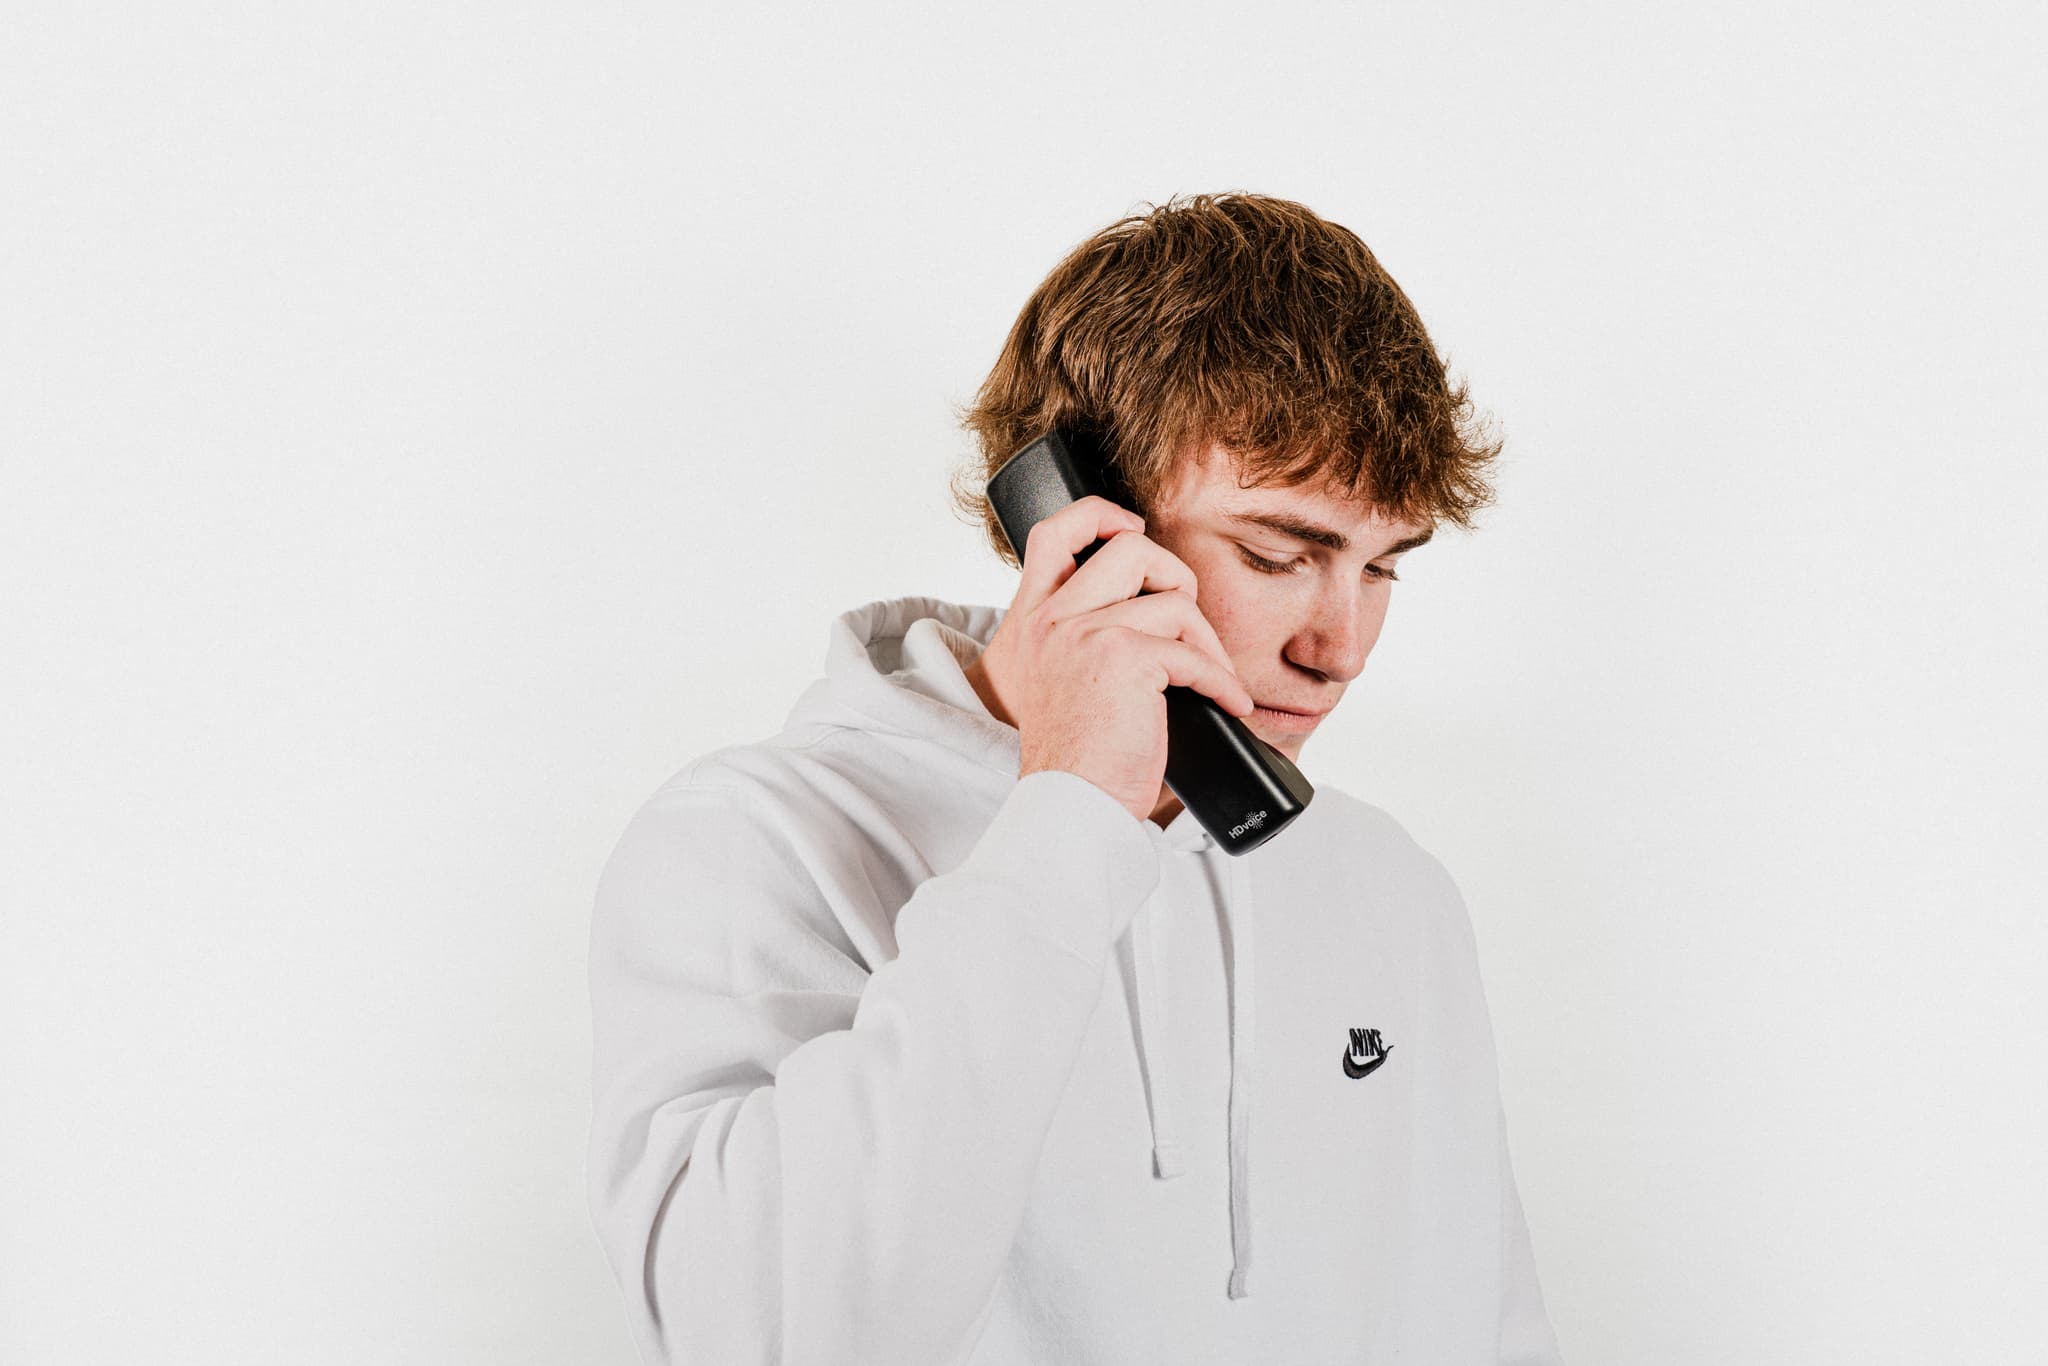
1338,634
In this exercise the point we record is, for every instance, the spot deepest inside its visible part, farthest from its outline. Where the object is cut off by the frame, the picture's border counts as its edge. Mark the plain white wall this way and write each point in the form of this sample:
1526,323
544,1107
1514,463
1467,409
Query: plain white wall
427,427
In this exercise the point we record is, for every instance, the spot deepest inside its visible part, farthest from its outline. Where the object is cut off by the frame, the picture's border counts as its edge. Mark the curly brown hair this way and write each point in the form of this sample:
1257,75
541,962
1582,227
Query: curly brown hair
1244,321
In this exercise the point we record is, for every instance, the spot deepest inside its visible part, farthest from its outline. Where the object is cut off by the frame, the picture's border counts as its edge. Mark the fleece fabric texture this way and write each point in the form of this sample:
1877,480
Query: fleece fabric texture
901,1060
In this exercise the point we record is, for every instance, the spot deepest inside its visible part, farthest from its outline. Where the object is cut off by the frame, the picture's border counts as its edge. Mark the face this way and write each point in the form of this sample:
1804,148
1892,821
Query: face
1295,581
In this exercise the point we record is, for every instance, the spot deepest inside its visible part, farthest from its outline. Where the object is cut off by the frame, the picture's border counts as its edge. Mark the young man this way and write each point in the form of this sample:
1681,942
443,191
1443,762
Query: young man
932,1031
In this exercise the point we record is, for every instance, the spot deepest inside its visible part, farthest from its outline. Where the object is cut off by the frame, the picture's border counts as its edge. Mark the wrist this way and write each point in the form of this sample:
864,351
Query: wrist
984,688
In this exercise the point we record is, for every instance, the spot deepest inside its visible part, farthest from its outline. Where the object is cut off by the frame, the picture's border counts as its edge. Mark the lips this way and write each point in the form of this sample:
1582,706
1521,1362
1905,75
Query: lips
1286,721
1294,711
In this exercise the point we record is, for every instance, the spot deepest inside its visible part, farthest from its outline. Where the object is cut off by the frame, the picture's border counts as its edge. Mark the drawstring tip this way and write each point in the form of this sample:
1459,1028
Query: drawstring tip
1166,1160
1237,1286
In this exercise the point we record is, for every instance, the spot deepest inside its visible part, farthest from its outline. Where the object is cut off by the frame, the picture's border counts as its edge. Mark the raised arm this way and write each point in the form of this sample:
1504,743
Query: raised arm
792,1160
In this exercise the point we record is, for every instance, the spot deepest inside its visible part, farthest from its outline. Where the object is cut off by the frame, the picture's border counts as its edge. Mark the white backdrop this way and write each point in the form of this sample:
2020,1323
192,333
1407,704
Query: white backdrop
427,427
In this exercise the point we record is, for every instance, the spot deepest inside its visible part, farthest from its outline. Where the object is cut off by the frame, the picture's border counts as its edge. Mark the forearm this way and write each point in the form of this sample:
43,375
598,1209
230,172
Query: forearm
859,1204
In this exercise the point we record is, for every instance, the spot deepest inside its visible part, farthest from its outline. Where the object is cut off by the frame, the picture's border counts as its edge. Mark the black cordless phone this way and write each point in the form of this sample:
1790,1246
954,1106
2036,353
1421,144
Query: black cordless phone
1241,789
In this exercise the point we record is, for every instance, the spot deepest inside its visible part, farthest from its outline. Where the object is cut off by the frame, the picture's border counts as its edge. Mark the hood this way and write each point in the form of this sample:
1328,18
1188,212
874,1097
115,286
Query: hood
897,667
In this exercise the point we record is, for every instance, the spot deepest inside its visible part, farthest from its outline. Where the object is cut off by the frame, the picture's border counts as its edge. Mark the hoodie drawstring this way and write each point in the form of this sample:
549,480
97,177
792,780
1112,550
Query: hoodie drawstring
1238,910
1167,1157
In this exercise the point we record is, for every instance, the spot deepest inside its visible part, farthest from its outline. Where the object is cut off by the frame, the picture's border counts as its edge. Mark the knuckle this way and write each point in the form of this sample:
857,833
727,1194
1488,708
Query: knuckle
1121,643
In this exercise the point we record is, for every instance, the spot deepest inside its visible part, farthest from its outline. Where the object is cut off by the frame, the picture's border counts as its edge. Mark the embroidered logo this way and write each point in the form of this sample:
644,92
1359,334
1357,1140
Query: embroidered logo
1365,1054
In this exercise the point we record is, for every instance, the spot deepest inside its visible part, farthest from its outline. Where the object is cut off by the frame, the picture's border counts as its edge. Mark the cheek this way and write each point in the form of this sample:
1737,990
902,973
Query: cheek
1245,628
1252,615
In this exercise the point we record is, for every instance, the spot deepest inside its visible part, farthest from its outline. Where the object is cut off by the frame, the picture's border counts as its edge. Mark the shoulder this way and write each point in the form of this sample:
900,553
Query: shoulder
712,822
1368,832
830,824
832,787
732,870
737,805
1377,855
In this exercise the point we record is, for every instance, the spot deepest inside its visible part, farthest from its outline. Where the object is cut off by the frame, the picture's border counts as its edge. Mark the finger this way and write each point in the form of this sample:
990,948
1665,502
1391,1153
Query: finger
1173,615
1053,542
1130,564
1186,666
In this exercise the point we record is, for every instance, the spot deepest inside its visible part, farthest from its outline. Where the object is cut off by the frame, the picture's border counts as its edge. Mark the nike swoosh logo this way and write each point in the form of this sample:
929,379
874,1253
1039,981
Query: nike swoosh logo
1355,1070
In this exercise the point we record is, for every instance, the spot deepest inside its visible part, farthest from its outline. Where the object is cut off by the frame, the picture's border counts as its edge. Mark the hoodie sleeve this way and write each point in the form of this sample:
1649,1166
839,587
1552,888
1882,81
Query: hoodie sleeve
1526,1337
793,1160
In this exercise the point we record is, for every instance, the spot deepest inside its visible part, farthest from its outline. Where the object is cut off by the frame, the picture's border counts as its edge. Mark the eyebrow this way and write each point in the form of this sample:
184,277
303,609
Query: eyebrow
1317,534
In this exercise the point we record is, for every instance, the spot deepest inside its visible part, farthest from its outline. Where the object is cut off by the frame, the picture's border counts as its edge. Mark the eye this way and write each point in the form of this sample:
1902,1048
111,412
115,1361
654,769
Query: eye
1266,566
1385,575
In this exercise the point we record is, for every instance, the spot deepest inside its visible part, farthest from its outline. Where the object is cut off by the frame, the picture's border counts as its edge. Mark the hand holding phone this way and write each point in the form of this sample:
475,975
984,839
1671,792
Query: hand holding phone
1091,641
1118,675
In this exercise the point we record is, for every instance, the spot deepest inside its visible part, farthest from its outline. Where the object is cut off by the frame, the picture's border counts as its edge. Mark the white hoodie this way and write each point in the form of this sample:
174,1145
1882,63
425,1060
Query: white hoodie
901,1060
